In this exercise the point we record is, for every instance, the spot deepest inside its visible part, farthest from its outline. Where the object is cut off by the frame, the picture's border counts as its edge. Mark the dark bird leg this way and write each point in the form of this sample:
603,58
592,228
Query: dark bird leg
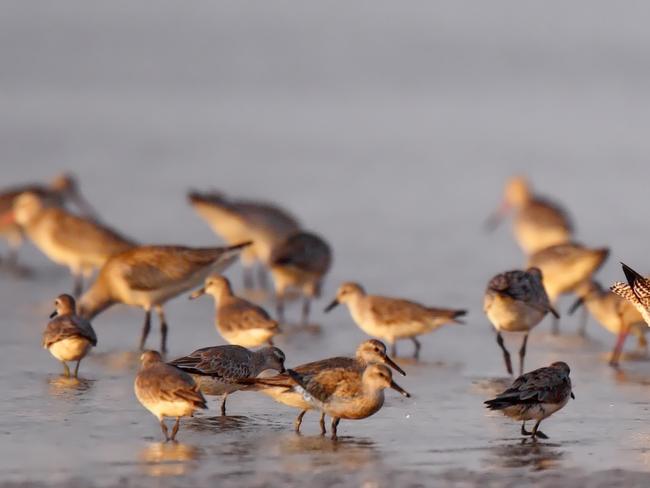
538,433
523,429
555,326
393,349
66,370
175,429
164,429
279,306
305,310
416,353
163,330
298,422
248,278
620,341
323,430
522,354
335,423
145,328
76,369
506,354
262,278
223,405
78,285
584,317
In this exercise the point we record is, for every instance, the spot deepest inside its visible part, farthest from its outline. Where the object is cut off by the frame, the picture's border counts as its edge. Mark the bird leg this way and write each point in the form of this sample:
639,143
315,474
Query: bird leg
223,405
145,328
523,429
323,430
618,347
522,354
335,423
393,349
555,326
538,433
582,327
416,353
262,278
248,278
175,429
76,369
279,306
305,310
66,370
163,330
163,427
78,285
298,422
506,354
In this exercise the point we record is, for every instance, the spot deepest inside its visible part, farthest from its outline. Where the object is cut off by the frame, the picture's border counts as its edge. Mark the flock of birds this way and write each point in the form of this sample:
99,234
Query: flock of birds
265,237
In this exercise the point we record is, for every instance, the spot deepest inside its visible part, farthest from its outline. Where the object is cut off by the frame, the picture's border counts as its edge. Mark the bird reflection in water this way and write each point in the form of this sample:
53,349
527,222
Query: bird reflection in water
69,387
162,459
526,454
117,361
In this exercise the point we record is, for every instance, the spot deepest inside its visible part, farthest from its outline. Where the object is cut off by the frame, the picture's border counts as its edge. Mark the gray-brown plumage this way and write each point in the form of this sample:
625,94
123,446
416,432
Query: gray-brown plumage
238,220
61,189
68,336
81,244
148,276
238,321
300,262
516,301
535,396
166,391
636,291
219,370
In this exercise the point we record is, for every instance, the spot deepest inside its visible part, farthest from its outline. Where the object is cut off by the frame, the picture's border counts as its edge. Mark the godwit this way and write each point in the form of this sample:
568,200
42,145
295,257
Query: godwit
238,321
80,244
282,388
148,276
166,391
535,396
538,222
515,301
300,262
63,188
391,319
266,224
565,267
615,314
636,291
343,394
67,336
218,370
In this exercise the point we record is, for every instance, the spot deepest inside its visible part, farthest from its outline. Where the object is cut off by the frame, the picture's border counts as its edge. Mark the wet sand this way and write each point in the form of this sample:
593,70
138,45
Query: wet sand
389,132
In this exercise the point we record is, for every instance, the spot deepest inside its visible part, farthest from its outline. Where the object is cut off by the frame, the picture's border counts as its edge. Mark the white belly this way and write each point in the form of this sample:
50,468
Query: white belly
71,349
512,315
162,409
247,338
538,411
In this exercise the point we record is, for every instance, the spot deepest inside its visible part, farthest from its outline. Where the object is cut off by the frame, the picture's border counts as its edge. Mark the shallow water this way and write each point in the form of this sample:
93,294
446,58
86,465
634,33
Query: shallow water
388,130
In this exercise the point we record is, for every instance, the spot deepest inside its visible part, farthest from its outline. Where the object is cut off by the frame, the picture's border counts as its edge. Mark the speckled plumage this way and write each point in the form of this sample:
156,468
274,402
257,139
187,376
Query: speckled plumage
636,291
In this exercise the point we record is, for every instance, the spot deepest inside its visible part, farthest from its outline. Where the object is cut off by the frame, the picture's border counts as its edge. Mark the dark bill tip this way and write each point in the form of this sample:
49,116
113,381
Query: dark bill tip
399,389
394,365
53,314
197,294
334,303
576,305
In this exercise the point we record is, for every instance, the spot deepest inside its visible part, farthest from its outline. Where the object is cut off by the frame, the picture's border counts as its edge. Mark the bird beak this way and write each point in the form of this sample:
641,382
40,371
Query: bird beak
334,303
576,305
53,314
495,219
283,369
197,293
573,396
393,365
399,389
7,218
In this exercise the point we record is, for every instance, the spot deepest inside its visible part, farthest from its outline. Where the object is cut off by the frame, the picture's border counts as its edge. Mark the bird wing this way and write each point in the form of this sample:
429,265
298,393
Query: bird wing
548,214
323,385
168,383
543,385
395,310
522,286
228,363
304,251
241,314
65,327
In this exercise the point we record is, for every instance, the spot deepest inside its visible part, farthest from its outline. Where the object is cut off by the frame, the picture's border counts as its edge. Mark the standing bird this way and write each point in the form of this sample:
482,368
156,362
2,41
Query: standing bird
63,188
81,244
238,321
565,268
68,336
391,319
614,313
166,391
236,220
538,222
344,394
535,396
218,370
300,262
284,389
515,301
148,276
636,291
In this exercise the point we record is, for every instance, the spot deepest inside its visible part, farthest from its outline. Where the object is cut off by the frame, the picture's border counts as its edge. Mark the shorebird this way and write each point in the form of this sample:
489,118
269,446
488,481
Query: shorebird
344,394
166,391
565,267
391,319
282,388
239,321
79,243
538,222
515,301
63,188
300,262
237,220
636,291
614,313
148,276
67,336
535,396
217,370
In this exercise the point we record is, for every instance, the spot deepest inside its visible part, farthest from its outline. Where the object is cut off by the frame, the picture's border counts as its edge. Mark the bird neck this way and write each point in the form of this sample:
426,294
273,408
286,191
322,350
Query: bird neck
97,299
